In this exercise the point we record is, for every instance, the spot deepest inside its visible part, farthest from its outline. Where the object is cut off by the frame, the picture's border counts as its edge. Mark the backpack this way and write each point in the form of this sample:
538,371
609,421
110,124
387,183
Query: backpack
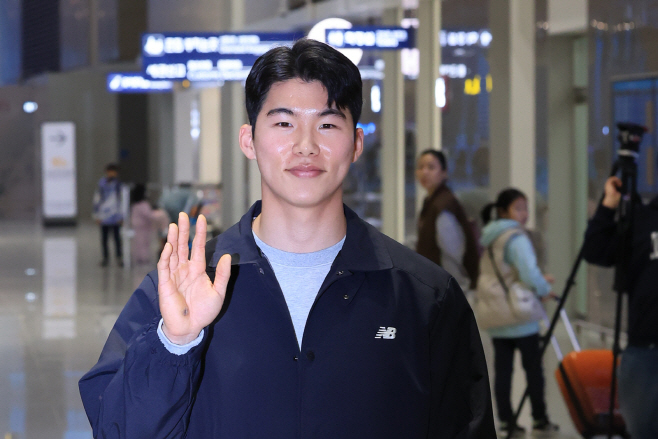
496,303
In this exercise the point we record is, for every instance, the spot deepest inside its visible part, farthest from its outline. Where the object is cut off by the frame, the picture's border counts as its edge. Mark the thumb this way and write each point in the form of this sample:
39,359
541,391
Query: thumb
222,274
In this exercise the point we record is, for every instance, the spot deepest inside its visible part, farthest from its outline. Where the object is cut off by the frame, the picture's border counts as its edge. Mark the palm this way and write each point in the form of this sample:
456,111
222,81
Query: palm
188,300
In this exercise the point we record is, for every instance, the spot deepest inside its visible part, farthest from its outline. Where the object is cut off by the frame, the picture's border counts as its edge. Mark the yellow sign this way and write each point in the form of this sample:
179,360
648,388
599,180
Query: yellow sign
473,87
59,162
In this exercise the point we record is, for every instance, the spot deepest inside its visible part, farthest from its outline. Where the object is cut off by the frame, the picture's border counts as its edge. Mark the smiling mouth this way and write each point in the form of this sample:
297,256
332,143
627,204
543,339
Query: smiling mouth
305,171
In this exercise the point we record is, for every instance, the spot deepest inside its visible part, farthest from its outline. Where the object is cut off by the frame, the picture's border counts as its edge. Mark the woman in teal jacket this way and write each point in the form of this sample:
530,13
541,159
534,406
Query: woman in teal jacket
511,209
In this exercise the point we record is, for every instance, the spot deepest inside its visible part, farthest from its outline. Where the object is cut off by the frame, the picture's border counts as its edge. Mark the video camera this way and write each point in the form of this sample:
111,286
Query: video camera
630,136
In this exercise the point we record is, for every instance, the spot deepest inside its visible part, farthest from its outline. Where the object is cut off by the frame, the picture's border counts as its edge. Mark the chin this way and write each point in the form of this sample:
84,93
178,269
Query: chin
311,199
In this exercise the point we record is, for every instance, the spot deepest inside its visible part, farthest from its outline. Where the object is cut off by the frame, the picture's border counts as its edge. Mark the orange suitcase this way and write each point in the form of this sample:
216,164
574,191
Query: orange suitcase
584,378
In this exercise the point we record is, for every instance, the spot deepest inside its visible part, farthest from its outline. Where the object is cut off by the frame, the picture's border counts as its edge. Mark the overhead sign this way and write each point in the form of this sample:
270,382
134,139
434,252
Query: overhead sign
135,82
319,33
371,38
207,56
465,38
58,171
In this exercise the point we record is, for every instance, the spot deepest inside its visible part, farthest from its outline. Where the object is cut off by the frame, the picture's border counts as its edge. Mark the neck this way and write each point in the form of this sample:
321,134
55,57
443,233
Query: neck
301,229
435,188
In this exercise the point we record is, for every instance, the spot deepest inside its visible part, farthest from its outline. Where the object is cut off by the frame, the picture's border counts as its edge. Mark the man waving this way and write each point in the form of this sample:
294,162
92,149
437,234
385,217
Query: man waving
300,321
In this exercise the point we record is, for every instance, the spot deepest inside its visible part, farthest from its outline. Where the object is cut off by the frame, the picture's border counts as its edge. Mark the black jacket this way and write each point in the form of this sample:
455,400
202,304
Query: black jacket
390,350
602,247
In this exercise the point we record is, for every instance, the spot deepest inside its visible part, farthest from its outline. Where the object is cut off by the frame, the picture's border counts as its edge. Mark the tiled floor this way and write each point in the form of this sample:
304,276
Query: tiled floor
57,306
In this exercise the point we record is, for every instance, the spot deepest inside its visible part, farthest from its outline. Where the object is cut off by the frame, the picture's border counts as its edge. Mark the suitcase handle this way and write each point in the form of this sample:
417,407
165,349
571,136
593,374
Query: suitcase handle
570,332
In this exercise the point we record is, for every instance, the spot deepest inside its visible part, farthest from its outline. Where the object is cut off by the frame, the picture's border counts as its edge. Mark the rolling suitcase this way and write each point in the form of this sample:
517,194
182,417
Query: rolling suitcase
584,379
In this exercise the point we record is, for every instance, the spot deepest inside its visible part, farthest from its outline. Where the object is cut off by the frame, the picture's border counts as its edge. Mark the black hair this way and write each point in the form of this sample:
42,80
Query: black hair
138,193
112,167
439,155
308,60
502,204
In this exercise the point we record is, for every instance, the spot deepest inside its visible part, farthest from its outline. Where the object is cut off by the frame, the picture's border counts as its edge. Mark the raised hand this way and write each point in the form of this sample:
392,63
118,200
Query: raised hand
189,301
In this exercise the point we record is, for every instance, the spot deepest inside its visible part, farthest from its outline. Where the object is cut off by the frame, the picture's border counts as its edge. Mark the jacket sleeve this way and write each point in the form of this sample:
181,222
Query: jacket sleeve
601,240
520,254
460,393
138,389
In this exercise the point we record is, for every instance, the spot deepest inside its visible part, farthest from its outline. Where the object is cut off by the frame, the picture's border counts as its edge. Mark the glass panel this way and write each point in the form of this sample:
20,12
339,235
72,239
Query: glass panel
108,46
74,33
10,42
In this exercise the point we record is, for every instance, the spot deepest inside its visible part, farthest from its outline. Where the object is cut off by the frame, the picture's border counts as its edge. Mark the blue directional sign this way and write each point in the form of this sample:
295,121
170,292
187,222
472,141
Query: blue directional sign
135,82
207,56
371,38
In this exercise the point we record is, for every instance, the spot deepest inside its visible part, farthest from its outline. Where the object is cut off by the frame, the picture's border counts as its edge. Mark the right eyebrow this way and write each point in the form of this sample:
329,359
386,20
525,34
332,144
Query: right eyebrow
281,110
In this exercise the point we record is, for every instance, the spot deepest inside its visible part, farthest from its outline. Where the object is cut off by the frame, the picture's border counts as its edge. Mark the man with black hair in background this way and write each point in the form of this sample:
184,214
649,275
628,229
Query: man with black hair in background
301,321
107,212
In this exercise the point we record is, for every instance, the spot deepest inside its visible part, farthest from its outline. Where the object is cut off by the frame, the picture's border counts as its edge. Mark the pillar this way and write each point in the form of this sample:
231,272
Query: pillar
512,101
393,145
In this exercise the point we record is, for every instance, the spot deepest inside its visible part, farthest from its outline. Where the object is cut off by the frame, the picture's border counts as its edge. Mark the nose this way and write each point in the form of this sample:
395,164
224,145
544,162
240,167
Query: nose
306,145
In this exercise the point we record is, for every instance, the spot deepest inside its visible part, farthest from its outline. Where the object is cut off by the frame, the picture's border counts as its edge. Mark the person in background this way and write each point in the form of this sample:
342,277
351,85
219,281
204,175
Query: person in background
144,221
638,370
107,211
445,234
507,232
180,198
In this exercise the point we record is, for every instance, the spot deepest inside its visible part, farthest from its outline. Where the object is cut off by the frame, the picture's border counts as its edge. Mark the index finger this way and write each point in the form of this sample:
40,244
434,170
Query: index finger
199,242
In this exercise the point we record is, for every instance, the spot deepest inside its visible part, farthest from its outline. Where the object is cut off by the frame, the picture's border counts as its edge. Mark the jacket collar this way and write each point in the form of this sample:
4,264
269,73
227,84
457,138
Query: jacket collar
443,187
364,248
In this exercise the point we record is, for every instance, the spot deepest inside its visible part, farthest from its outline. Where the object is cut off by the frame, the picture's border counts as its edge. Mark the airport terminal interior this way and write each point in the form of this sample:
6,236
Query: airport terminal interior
515,93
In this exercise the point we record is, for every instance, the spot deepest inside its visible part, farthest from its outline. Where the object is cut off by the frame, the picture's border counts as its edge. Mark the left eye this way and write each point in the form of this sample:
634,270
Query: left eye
327,125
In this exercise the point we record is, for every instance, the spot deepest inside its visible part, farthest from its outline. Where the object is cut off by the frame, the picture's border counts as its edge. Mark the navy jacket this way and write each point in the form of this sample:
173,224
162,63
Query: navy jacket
390,350
602,248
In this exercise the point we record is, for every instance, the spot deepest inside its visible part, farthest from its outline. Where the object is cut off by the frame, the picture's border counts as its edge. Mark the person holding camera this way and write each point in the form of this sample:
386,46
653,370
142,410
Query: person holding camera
638,370
509,258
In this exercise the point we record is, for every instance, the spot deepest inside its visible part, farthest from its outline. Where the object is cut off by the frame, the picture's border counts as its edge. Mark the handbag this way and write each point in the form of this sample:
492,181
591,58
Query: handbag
522,300
500,306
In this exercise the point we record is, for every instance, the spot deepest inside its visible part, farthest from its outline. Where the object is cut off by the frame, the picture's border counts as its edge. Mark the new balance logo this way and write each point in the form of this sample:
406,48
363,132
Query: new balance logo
384,332
654,241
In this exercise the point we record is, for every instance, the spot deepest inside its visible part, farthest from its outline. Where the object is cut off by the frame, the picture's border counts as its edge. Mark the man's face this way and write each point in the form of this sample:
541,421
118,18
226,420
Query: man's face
303,148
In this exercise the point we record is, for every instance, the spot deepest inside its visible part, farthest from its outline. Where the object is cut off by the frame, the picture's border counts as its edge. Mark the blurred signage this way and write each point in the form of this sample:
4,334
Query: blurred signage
465,38
58,171
133,82
207,56
371,38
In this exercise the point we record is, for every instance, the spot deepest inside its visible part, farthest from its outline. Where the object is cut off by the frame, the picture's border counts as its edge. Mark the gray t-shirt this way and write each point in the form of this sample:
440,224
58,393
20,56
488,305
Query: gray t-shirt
452,242
300,276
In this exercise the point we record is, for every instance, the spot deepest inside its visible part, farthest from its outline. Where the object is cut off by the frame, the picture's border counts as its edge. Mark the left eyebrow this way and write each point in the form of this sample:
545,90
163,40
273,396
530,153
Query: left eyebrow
333,112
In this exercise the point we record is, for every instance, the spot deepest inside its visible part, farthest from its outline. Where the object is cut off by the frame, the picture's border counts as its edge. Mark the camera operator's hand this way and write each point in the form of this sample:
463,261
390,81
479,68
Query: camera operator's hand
612,193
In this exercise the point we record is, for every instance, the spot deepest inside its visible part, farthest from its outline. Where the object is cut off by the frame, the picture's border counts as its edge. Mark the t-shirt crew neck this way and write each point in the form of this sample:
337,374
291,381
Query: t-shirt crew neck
300,276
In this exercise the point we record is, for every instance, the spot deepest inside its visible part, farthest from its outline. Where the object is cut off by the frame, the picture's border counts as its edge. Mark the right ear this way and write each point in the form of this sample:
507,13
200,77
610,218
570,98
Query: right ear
246,140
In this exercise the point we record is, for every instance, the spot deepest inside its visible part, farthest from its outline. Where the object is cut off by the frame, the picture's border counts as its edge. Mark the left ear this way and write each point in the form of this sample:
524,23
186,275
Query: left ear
247,142
358,144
